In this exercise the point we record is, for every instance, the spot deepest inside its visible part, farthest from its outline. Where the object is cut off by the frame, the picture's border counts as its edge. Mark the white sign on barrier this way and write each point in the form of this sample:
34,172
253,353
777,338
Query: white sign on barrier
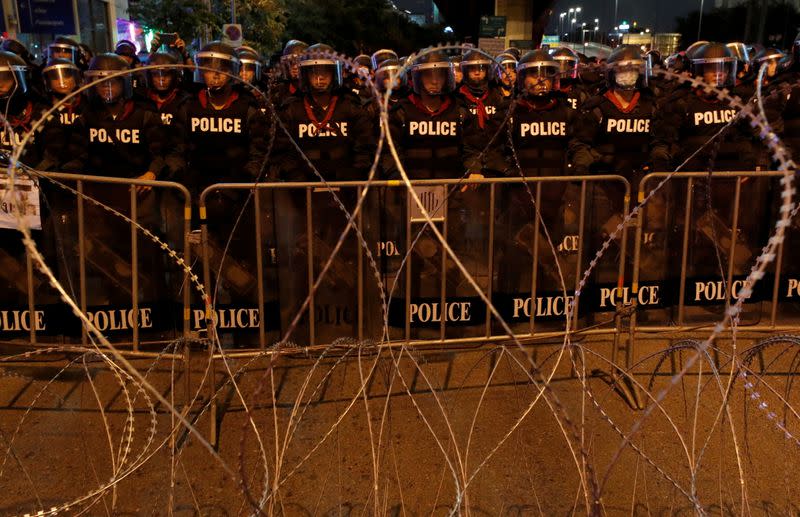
433,199
26,192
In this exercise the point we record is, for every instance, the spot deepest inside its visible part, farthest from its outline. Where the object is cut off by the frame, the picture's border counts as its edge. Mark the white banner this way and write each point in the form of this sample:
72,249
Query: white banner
26,192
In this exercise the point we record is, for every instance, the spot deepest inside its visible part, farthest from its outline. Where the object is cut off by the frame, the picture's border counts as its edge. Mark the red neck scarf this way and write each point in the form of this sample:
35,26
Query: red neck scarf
416,101
204,100
166,100
23,120
320,125
615,101
478,102
127,109
533,107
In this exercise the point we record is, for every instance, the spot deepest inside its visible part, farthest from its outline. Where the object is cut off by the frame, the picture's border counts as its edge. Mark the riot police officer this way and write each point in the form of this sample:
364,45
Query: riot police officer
615,137
66,48
569,62
290,82
225,133
541,128
488,109
379,56
19,109
543,123
327,123
164,91
124,139
427,126
615,129
506,74
61,141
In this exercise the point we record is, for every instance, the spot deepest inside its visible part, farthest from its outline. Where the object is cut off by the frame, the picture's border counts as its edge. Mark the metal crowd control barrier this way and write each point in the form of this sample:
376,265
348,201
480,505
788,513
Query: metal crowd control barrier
123,325
304,226
736,233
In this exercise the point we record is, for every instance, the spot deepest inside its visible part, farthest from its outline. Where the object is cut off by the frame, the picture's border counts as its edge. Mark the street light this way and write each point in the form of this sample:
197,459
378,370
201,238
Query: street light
560,22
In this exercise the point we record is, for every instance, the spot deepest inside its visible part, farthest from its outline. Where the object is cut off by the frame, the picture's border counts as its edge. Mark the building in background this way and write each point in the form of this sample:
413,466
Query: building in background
667,43
421,12
37,22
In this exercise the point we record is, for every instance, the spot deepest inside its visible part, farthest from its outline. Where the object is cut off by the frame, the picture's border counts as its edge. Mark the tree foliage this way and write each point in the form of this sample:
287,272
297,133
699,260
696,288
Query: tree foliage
351,27
186,17
262,20
356,26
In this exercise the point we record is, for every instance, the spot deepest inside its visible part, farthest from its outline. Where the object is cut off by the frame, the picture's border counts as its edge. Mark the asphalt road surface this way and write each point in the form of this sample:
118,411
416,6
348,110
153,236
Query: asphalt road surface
409,433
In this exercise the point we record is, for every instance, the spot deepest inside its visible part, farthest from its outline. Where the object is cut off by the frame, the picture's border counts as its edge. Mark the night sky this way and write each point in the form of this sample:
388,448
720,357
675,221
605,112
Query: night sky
658,15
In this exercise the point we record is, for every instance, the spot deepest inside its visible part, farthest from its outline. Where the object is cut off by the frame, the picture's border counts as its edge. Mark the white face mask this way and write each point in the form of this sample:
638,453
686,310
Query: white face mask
626,79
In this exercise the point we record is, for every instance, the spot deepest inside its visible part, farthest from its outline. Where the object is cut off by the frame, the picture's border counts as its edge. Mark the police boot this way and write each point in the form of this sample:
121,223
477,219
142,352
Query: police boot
711,226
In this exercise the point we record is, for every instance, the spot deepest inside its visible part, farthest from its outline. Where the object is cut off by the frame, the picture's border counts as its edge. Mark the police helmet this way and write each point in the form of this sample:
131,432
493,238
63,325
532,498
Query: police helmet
61,76
627,69
317,62
113,89
13,74
64,48
543,69
127,49
568,61
694,47
18,48
290,56
742,54
379,56
514,51
506,68
388,69
216,56
653,58
476,60
715,63
429,65
250,64
363,61
164,78
774,59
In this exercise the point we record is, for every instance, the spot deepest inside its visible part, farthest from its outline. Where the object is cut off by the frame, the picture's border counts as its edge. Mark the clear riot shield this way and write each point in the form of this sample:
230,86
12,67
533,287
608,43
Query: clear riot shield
240,262
434,300
535,281
718,242
309,224
117,275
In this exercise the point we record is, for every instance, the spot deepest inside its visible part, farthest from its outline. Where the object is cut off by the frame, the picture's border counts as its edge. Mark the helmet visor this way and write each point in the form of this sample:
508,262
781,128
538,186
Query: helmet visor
538,78
320,75
63,51
162,79
629,74
250,71
214,68
568,66
437,78
13,80
61,79
477,73
106,88
388,76
716,72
